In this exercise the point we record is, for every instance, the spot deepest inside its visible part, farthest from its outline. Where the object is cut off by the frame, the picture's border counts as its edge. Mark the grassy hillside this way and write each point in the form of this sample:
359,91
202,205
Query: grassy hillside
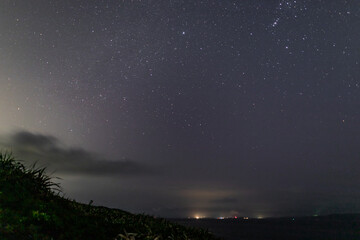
30,209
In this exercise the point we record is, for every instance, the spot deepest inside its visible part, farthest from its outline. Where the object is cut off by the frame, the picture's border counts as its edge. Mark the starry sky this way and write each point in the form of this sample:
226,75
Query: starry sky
187,108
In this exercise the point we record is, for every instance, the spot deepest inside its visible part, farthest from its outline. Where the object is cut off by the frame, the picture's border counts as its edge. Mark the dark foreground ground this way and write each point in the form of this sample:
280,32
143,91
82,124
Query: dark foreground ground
333,227
31,210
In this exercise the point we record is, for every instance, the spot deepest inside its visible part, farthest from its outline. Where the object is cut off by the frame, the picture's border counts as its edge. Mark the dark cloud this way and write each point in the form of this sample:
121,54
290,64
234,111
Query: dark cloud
34,140
179,190
226,200
48,151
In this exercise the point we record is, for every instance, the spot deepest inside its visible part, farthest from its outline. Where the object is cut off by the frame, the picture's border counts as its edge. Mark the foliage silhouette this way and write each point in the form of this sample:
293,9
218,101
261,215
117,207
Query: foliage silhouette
31,208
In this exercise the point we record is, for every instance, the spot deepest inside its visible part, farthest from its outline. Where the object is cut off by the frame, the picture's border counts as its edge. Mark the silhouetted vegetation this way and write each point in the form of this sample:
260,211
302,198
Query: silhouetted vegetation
32,208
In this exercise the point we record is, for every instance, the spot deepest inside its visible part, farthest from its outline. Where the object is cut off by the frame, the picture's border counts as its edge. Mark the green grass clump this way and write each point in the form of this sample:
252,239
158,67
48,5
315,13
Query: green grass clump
30,208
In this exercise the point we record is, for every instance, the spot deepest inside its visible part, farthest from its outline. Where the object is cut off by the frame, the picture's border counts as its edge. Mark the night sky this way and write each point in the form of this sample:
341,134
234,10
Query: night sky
182,108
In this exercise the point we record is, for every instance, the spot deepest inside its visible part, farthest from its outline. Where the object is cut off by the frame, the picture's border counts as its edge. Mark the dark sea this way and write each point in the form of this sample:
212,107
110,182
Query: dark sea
334,227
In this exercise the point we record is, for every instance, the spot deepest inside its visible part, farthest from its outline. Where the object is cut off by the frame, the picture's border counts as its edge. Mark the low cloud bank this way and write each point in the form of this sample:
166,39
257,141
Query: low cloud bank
50,152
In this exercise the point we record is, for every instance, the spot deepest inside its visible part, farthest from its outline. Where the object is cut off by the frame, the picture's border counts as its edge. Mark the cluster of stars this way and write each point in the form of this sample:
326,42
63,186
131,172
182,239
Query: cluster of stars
250,85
